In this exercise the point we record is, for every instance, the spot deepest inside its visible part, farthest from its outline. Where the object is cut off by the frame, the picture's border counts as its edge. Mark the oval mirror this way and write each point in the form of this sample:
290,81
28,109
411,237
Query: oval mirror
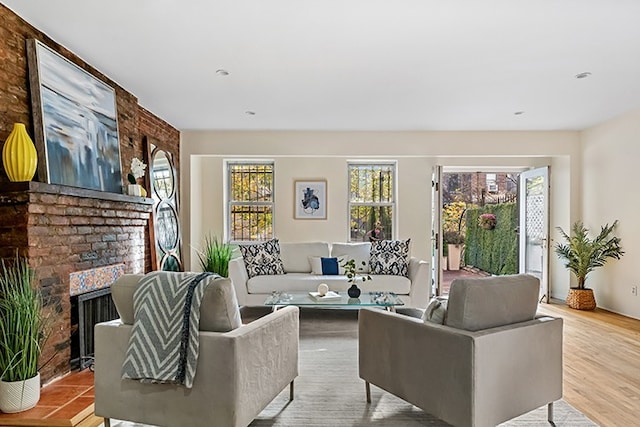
166,222
163,176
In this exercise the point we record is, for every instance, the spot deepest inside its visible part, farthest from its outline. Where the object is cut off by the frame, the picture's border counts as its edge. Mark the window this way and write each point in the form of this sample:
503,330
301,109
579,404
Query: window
250,201
371,200
492,183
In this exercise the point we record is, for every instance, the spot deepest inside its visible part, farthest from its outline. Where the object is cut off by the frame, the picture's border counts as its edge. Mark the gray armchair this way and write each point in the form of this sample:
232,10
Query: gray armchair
492,360
239,372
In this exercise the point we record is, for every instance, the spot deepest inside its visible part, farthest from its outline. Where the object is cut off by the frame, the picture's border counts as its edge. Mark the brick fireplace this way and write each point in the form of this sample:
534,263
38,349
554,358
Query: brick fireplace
65,230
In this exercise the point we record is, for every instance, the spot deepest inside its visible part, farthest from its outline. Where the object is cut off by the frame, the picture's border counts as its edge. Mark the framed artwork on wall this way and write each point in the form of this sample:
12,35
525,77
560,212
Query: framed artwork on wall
75,123
310,199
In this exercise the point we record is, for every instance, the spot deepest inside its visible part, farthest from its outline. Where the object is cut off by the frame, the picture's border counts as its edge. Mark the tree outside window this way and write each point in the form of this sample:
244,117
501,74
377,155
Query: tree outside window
371,200
250,201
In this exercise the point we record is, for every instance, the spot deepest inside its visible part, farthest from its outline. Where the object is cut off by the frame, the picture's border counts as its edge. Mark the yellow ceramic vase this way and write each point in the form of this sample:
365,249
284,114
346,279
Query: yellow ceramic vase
19,155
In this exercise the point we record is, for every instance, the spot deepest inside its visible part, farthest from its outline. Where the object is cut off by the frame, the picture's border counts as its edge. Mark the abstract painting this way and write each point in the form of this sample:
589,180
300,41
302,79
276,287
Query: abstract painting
310,199
75,123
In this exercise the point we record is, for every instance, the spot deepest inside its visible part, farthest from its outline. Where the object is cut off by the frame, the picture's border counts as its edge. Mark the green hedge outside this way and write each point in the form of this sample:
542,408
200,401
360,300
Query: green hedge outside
494,251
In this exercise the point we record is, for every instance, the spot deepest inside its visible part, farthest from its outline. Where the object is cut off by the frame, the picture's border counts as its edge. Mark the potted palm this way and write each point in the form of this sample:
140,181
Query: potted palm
582,255
22,334
216,256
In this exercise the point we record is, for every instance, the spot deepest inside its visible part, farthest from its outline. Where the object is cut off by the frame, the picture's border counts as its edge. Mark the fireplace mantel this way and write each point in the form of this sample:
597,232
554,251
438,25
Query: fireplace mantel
12,191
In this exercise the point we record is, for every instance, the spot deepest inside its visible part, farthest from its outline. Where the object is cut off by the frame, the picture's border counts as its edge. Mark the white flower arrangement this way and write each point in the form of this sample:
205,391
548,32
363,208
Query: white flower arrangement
137,170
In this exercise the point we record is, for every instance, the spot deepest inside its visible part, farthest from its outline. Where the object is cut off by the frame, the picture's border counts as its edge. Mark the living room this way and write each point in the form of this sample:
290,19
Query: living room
591,162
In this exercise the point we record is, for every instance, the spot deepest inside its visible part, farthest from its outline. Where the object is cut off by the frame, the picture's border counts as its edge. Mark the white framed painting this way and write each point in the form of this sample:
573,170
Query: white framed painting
75,123
310,199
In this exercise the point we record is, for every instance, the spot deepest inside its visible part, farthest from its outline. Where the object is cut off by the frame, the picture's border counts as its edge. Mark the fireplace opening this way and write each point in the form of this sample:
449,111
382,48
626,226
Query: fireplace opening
87,310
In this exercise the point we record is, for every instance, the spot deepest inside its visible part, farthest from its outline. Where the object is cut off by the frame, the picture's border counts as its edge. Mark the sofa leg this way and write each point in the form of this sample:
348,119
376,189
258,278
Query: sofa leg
367,388
107,422
550,413
290,391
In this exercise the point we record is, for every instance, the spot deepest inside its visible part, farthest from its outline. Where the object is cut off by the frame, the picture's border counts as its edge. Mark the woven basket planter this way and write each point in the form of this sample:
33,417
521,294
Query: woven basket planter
581,299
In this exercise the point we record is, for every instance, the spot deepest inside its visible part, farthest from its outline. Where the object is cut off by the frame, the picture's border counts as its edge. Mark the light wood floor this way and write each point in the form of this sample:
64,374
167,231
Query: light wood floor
601,364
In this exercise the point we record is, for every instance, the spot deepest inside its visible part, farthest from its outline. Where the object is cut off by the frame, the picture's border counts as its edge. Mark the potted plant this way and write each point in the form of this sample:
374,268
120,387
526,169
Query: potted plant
455,242
582,255
22,334
216,256
351,271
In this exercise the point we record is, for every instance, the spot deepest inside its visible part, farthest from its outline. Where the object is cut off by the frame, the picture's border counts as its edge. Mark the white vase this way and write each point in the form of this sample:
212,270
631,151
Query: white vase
18,396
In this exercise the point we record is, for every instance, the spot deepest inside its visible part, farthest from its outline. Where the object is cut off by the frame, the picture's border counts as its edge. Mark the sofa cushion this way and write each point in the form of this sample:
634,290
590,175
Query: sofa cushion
389,257
359,252
436,311
326,266
301,282
262,258
489,302
219,310
295,256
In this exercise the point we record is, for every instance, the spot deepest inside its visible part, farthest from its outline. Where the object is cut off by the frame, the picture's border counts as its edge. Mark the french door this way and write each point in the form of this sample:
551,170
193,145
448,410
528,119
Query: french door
436,231
534,226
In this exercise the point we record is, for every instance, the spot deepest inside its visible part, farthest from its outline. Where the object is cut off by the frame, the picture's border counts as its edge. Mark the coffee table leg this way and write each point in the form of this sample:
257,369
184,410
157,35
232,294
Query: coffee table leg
368,390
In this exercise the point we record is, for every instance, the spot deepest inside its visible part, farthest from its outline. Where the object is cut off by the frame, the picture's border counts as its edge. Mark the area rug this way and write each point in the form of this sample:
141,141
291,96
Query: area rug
328,391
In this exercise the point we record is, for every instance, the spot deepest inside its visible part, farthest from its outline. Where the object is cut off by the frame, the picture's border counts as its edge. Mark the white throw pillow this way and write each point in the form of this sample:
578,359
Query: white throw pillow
436,311
359,252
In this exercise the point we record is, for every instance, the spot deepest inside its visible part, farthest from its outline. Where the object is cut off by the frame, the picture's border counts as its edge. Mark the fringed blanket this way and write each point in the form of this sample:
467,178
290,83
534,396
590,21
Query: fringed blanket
163,347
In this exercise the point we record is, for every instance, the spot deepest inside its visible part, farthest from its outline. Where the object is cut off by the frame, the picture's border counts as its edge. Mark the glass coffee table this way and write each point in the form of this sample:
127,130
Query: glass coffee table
387,300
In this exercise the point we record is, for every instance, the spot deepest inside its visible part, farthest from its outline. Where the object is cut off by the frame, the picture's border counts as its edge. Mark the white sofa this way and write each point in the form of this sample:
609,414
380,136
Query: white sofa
415,290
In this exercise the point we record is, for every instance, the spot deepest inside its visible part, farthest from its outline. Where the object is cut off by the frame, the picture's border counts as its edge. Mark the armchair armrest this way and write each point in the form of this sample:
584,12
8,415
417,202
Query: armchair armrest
263,356
239,277
420,276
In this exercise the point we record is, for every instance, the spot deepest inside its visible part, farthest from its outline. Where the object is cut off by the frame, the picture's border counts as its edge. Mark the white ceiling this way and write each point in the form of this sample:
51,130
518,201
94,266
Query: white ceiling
360,64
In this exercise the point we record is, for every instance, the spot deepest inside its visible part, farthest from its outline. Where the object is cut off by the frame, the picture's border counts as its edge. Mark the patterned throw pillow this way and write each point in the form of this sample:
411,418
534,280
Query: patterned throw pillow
390,257
262,259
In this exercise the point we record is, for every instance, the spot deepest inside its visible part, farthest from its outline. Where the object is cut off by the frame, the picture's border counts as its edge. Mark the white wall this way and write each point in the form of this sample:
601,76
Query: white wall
611,152
300,155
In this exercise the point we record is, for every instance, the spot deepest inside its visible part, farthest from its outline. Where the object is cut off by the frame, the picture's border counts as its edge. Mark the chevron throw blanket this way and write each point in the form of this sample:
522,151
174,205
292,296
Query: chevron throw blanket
163,347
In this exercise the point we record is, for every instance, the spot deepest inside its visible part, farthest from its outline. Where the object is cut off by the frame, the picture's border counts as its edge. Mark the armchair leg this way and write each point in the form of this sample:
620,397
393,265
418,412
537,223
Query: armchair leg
107,422
367,387
550,413
290,391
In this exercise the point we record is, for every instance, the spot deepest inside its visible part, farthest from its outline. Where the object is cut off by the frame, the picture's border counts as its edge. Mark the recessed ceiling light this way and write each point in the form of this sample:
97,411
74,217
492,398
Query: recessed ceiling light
222,72
250,113
583,75
519,113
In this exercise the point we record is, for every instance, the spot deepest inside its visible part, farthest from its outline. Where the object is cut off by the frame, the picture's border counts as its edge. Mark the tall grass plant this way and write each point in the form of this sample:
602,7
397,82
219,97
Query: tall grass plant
22,323
215,256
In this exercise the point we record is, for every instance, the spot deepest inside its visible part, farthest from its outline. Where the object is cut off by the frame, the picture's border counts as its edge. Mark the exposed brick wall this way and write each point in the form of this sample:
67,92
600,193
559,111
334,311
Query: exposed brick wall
70,230
55,225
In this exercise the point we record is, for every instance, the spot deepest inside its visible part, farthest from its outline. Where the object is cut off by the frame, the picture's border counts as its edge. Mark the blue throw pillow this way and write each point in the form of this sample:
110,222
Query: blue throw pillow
329,266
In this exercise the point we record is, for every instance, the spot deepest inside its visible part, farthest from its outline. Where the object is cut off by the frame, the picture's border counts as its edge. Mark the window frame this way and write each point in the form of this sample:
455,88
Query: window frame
230,203
394,193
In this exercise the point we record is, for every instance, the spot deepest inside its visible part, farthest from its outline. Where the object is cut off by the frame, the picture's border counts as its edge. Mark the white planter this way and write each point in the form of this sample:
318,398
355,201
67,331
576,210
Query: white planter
443,262
18,396
455,253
